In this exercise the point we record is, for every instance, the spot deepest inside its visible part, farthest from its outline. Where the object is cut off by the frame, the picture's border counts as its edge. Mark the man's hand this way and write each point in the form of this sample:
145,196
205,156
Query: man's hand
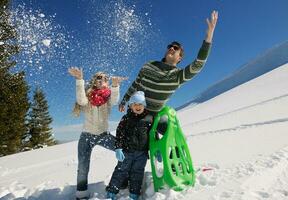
76,72
116,80
211,26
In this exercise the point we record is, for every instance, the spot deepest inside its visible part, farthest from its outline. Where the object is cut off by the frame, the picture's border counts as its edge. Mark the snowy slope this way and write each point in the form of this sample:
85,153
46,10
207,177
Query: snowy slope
241,135
262,64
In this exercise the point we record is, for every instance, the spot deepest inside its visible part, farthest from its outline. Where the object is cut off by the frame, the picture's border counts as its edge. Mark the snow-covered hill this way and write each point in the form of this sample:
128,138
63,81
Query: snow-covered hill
265,62
241,135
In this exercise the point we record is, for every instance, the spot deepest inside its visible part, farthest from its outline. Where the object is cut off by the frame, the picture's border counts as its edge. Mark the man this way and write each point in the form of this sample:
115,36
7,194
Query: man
160,79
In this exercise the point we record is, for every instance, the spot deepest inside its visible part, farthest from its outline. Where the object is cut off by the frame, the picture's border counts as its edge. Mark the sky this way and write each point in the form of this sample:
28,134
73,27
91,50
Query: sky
120,36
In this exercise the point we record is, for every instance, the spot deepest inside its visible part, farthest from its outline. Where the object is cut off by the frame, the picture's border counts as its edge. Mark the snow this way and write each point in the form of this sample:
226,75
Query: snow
35,31
117,28
46,42
265,62
112,28
241,135
41,15
41,40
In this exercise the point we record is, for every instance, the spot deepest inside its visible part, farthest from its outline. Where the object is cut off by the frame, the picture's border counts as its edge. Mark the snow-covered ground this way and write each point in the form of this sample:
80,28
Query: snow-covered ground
241,135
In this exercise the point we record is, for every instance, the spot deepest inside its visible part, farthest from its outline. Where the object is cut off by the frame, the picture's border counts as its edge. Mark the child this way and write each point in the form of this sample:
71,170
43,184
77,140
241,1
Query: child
95,101
131,148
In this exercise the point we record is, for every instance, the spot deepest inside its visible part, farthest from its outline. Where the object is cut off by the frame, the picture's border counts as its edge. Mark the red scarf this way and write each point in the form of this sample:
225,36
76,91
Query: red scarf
99,97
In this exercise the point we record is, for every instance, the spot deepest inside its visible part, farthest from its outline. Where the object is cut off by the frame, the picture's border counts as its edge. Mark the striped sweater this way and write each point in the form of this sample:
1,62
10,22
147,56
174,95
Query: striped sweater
159,80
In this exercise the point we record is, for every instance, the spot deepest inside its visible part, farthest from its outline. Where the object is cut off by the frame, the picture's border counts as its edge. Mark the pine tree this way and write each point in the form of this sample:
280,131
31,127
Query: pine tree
14,102
40,133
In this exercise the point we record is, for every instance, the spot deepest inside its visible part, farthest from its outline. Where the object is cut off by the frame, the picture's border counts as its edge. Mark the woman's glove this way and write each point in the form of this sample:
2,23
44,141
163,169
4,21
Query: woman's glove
120,155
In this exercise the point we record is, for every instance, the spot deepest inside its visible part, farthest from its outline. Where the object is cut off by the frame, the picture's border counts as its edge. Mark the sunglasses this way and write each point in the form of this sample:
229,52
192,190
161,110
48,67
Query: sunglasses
102,77
176,48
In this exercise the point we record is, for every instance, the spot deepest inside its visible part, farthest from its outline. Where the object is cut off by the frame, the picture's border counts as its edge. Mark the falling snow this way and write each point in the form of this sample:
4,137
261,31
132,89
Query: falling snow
46,42
118,34
33,29
123,35
41,41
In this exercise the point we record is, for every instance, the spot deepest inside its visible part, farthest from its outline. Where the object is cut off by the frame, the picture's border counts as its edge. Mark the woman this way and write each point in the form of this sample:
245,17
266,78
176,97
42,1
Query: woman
95,102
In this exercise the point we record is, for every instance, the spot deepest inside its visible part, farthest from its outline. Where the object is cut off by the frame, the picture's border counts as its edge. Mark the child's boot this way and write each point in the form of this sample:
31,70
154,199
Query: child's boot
133,196
111,196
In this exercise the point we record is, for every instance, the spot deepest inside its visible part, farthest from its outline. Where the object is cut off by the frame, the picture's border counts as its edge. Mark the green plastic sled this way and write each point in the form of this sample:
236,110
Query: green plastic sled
176,168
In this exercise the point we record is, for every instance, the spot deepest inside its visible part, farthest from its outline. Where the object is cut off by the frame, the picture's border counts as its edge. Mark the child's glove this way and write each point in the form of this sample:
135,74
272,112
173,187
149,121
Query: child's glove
120,155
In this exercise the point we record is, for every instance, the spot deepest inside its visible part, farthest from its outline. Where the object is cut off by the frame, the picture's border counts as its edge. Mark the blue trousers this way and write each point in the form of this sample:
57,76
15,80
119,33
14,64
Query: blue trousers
85,145
131,168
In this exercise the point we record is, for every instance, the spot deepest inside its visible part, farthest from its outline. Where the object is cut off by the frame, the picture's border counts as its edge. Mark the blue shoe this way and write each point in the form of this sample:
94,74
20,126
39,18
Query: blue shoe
111,196
133,196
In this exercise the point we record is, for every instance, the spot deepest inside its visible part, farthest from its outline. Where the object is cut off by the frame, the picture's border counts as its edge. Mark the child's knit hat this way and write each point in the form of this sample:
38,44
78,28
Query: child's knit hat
138,97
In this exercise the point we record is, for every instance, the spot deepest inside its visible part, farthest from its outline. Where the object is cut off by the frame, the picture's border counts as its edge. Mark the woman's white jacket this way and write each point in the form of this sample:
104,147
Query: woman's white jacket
96,118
